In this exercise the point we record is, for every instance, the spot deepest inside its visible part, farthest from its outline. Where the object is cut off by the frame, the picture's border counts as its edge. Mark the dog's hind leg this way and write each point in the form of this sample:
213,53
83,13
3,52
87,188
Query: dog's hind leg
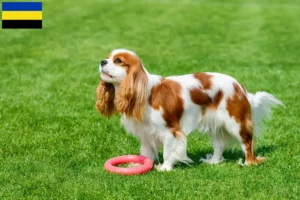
243,132
219,143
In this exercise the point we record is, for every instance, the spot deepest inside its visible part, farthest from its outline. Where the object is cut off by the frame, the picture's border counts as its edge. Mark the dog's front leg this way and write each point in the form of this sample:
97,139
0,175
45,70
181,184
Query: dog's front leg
174,150
148,149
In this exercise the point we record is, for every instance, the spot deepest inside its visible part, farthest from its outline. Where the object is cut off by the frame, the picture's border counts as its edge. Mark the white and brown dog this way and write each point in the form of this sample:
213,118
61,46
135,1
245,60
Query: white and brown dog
164,110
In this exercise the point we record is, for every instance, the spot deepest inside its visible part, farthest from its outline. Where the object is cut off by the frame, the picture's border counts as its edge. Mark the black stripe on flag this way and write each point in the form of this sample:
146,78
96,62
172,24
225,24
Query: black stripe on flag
21,24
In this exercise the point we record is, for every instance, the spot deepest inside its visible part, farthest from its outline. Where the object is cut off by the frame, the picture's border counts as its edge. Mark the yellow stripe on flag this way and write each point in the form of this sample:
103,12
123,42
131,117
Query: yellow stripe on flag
22,15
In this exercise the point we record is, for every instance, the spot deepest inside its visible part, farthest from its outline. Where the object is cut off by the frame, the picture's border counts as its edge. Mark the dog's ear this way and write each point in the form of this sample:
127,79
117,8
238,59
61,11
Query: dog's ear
105,98
133,92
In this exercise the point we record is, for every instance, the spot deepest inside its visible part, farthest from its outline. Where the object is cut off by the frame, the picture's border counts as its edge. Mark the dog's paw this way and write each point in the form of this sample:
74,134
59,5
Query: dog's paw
210,160
255,161
163,168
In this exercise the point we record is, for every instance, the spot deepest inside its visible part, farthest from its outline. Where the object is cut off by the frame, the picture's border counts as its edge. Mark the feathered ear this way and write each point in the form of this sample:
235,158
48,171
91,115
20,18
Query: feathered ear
133,92
105,98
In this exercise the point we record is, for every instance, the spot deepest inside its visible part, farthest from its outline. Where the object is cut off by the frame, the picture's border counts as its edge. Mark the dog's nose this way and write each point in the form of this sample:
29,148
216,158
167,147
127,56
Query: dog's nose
103,62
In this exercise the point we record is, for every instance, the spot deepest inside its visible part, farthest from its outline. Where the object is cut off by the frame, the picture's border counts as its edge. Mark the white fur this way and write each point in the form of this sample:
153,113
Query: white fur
152,131
261,103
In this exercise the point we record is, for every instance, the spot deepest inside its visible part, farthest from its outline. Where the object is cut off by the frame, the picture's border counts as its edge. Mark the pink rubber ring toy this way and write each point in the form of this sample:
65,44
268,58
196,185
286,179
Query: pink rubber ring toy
146,165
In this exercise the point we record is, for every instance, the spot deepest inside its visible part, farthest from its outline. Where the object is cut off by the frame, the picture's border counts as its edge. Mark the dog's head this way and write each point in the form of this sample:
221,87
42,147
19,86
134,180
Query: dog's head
123,85
120,63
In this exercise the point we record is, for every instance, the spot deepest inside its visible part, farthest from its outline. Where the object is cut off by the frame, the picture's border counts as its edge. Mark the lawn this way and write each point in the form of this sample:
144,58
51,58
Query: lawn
53,143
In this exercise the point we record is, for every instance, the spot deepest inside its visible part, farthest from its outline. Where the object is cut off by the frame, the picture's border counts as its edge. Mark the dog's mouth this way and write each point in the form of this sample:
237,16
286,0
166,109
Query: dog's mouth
105,75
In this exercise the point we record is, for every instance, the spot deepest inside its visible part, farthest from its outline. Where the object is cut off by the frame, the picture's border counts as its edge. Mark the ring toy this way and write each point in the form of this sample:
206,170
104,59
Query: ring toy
146,165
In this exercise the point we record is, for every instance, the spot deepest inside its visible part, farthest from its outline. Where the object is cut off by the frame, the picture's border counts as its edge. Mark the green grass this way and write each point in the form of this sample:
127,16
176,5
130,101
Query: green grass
53,143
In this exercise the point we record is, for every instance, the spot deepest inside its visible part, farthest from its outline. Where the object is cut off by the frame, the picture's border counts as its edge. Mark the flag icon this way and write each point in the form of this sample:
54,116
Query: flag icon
22,15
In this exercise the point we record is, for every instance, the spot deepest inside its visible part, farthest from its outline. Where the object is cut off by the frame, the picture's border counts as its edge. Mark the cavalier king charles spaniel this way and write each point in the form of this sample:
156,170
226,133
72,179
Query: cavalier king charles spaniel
164,110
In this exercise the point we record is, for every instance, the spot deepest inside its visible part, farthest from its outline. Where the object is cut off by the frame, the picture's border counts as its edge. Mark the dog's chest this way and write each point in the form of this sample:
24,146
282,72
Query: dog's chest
138,129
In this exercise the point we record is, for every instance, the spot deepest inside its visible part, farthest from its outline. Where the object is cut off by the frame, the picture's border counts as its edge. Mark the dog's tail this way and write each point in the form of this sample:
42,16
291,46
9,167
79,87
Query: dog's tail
261,103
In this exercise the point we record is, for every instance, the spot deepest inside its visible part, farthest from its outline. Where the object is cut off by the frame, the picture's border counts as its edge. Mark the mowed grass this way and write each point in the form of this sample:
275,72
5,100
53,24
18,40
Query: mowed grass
53,143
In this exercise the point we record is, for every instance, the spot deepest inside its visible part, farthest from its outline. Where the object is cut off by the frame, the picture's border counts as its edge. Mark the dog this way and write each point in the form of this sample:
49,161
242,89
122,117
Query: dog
164,110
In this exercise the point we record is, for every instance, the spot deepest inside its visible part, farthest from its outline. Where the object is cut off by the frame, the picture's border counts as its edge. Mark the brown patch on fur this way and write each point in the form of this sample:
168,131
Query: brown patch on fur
205,80
177,133
105,98
132,95
167,95
239,108
201,98
199,95
127,60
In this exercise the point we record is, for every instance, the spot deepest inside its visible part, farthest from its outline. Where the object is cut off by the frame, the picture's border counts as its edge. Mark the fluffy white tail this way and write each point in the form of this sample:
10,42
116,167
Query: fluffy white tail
261,103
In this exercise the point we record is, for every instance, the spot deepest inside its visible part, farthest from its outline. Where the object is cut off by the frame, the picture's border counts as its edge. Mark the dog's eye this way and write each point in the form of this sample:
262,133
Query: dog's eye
118,61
